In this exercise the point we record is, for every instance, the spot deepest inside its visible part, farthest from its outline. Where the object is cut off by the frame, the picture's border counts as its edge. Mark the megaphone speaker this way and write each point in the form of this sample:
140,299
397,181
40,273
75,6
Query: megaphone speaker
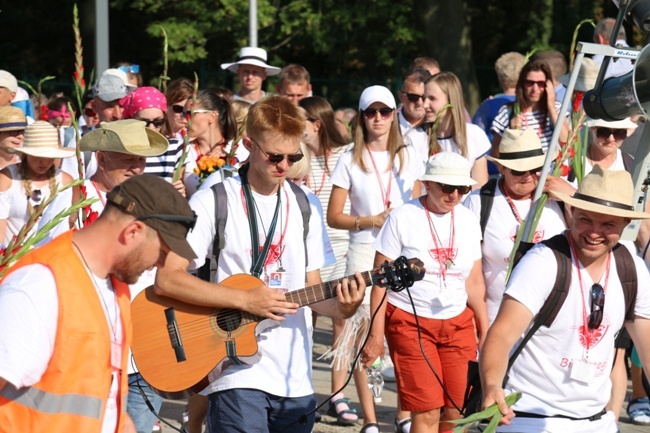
624,96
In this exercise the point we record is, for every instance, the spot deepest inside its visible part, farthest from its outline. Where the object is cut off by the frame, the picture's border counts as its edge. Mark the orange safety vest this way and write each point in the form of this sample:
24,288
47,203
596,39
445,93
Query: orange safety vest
71,395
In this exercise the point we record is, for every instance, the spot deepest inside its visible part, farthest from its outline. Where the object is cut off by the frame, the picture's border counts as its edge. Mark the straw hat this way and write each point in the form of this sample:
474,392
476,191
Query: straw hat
586,76
42,140
448,168
520,149
605,192
251,56
12,119
128,136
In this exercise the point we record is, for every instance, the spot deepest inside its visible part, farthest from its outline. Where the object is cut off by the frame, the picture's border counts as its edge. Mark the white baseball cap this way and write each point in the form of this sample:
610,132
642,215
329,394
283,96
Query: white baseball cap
8,81
374,94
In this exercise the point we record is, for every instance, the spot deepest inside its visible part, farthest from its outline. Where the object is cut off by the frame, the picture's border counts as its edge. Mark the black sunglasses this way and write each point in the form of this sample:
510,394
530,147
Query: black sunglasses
178,109
371,113
187,221
413,97
619,134
157,123
449,189
521,173
597,306
276,158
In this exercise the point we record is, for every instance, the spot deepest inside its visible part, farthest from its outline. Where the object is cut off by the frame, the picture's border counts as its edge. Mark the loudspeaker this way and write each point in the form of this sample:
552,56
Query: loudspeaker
620,97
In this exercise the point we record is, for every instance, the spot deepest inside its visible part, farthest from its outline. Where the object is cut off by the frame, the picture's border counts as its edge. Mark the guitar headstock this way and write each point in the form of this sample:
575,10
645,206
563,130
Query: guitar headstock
399,274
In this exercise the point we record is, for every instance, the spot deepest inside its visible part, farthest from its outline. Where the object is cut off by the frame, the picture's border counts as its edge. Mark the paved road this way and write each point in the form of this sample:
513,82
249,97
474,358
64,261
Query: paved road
172,410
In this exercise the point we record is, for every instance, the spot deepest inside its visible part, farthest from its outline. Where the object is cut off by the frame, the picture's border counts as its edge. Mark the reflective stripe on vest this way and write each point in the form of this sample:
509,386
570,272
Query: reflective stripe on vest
34,398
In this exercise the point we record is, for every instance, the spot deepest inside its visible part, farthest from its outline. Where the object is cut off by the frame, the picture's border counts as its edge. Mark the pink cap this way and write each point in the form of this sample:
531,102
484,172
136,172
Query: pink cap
141,98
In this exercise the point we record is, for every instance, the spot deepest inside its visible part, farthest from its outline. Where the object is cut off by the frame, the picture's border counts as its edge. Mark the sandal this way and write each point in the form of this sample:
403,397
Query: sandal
639,411
345,416
368,428
403,425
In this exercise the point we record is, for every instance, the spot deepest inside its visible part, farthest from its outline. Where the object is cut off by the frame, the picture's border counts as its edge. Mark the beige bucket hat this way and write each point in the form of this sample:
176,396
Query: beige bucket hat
42,140
606,192
520,149
448,168
129,136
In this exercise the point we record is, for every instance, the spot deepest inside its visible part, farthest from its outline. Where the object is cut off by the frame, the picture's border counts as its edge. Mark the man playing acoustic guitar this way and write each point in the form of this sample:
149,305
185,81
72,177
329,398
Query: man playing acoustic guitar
263,235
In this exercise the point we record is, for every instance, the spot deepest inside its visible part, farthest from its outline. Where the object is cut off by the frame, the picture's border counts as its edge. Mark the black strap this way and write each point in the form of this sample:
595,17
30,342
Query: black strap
487,199
209,268
594,417
626,270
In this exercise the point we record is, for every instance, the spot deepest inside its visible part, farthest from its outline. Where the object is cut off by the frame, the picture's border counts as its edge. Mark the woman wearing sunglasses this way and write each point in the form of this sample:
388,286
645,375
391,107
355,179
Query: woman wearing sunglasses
24,186
437,314
148,105
177,93
538,109
447,127
213,126
520,163
377,175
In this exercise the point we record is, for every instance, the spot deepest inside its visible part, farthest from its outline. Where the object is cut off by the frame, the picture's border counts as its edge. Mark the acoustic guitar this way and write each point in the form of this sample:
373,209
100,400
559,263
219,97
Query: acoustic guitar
175,344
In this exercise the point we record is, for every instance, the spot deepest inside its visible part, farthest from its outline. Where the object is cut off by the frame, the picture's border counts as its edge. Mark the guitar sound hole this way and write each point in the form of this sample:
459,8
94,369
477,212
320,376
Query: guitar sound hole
228,320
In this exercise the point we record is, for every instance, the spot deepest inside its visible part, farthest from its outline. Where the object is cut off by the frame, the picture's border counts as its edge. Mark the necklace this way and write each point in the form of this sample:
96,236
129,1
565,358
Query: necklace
445,255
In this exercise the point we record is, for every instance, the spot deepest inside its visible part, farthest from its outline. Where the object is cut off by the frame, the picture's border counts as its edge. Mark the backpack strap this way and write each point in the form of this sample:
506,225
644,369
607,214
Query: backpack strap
628,162
206,272
626,270
487,199
305,210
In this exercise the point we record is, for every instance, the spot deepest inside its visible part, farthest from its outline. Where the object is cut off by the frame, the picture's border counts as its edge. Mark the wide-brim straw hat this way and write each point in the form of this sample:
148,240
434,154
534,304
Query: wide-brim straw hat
251,56
12,119
42,140
606,192
449,168
586,76
520,149
129,136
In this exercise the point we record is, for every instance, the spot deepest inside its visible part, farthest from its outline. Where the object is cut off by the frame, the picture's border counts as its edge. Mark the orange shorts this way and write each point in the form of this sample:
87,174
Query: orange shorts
449,345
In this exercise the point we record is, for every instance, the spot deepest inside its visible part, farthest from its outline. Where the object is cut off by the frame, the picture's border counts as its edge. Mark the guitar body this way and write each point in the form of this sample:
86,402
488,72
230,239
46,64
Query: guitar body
202,334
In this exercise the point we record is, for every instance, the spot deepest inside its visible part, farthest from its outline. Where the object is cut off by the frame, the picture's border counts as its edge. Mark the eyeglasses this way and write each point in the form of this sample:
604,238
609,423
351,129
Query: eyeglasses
178,109
276,158
619,134
449,189
89,112
187,221
157,123
413,97
371,113
134,69
197,111
597,306
521,173
531,83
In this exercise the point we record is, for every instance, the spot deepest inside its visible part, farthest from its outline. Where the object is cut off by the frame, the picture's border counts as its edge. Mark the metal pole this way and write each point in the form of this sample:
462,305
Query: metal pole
252,23
102,49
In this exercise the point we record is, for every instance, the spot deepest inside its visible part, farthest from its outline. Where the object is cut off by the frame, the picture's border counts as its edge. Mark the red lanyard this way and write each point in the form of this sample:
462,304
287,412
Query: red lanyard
278,250
445,255
514,210
322,183
385,192
584,330
99,193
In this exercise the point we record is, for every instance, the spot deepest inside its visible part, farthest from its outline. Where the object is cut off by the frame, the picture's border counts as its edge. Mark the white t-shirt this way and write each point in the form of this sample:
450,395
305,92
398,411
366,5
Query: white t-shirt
408,232
29,311
283,363
415,136
616,67
500,234
545,363
477,143
364,191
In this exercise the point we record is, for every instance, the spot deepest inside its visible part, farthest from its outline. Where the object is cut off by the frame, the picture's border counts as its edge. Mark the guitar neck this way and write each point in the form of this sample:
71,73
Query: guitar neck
320,292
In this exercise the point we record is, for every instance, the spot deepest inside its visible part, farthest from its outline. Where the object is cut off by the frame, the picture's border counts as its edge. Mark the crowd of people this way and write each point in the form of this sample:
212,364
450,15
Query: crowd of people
308,196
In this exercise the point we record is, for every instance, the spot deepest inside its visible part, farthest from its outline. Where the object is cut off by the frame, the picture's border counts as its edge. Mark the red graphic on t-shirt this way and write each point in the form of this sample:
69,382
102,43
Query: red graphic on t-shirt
537,237
589,338
275,250
441,255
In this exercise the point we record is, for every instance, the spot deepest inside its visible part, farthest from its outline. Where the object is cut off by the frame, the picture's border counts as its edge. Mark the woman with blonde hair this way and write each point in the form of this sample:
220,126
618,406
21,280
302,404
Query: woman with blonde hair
378,174
448,130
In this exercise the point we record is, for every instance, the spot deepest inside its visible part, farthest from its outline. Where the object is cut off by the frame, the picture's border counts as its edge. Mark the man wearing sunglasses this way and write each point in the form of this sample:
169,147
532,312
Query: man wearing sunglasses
263,236
411,113
65,312
564,368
